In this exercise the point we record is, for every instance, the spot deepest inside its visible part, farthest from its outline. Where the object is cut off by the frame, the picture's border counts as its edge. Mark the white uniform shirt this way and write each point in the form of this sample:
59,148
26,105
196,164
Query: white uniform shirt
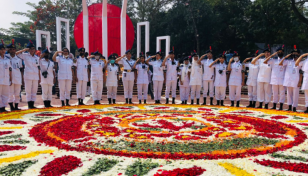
127,65
278,72
65,67
292,73
208,73
16,64
171,74
97,69
195,74
158,70
236,74
220,79
143,77
82,69
253,74
304,65
112,75
31,66
44,66
184,75
265,71
5,65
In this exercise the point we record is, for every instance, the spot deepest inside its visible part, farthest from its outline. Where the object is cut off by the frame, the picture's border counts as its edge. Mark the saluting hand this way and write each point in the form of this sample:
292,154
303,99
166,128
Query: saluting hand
181,82
203,56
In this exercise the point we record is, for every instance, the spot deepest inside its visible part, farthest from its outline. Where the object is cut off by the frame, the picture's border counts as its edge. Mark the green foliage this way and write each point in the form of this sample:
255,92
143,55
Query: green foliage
140,168
16,169
102,165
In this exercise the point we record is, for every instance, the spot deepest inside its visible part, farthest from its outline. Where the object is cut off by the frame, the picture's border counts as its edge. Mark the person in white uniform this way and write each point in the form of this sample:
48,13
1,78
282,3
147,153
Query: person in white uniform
142,78
66,74
195,73
236,80
252,80
304,66
171,75
14,90
220,82
31,74
97,76
277,78
264,87
292,78
6,77
128,76
184,81
112,79
82,73
158,75
47,75
208,76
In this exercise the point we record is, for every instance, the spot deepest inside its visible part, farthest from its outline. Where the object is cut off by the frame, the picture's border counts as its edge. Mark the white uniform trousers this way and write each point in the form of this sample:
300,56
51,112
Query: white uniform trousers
4,95
112,92
252,93
220,93
292,94
171,84
235,93
264,92
208,85
184,93
46,92
282,93
306,98
97,89
31,89
14,91
195,91
157,86
128,88
142,88
81,89
65,86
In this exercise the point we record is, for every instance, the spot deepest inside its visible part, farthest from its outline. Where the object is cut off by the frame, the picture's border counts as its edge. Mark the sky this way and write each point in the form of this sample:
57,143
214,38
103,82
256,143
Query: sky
8,7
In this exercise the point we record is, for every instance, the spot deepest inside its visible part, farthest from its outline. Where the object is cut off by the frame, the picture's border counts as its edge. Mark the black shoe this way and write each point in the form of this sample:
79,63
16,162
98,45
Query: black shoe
45,104
254,104
155,101
290,108
32,104
79,103
145,101
29,105
49,104
140,102
183,102
232,103
167,100
109,100
12,107
126,100
218,102
306,110
158,101
294,109
192,102
62,103
266,106
261,105
238,104
281,106
16,107
113,101
222,103
198,102
274,106
130,101
211,101
204,101
173,100
250,104
3,109
67,102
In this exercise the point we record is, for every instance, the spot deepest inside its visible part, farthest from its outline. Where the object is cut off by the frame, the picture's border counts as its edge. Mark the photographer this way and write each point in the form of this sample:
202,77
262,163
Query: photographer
47,75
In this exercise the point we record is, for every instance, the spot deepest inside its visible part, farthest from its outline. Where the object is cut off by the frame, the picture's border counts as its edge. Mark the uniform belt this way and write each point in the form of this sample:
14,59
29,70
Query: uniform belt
128,70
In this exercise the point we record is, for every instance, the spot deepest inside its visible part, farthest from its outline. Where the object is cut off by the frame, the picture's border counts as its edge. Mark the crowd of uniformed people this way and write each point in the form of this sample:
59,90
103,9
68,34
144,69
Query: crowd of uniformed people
270,76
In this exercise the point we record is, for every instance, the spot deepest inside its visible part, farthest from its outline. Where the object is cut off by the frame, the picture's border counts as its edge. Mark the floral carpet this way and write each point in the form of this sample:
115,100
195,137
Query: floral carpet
159,140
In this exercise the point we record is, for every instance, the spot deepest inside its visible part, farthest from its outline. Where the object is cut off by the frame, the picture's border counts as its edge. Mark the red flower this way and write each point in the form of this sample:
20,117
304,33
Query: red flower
294,167
10,147
279,117
14,122
5,132
194,171
61,166
84,110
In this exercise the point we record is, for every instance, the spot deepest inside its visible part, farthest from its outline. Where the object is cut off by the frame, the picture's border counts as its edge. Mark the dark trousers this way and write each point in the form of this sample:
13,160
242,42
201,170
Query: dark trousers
150,90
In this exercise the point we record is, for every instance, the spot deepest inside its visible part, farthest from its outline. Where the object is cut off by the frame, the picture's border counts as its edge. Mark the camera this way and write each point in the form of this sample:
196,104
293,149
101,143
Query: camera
45,73
143,66
220,71
173,63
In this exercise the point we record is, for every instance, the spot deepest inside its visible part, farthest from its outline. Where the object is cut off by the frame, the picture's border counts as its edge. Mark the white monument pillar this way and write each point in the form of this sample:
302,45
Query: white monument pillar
85,25
105,30
39,34
67,33
158,43
147,37
123,27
